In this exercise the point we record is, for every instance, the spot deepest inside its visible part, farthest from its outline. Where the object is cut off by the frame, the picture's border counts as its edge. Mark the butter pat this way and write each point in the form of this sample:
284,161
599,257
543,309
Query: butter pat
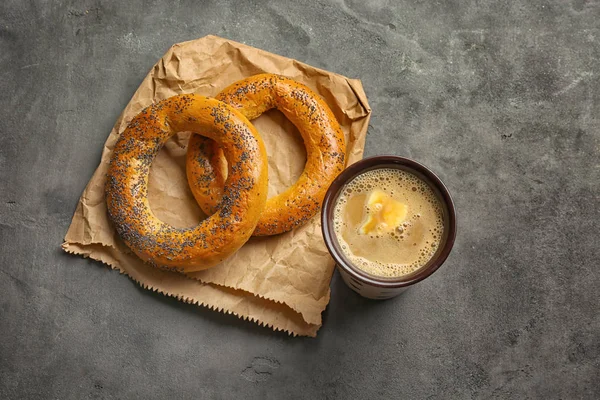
383,213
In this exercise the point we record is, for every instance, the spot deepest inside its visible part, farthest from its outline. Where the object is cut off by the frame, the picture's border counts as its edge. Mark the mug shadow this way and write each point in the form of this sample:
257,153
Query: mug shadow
347,308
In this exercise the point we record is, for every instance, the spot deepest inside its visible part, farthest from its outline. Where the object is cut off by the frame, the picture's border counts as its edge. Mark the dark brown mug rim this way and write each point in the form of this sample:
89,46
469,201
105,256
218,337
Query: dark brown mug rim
372,163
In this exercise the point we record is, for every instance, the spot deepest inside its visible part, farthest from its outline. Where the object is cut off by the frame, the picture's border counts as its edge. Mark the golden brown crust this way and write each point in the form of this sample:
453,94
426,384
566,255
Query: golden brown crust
244,194
323,138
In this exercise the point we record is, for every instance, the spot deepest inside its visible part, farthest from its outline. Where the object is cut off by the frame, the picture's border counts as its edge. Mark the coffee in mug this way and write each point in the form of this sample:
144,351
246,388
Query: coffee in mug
388,222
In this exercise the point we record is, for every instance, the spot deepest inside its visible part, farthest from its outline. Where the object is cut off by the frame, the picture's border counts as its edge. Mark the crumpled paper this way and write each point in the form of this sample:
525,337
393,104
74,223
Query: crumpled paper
280,281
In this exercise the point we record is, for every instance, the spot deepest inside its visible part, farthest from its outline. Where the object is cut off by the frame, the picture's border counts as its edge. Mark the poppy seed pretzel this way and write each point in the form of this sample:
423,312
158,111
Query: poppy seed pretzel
244,193
323,139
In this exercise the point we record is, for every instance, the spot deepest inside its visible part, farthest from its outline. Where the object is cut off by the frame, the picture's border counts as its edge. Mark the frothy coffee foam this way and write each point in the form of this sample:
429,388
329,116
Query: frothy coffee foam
389,251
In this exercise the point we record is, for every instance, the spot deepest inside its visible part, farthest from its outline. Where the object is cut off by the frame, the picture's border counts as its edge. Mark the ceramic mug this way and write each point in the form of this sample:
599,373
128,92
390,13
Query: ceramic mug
377,287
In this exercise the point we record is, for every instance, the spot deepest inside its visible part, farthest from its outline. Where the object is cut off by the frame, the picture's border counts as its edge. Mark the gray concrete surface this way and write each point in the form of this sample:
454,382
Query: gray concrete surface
501,98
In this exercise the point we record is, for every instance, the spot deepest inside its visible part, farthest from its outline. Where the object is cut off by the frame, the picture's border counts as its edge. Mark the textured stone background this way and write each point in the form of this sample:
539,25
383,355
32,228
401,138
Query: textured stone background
501,98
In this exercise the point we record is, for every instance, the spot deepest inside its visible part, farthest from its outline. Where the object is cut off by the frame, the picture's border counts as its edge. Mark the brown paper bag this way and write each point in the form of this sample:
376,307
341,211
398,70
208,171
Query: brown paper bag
279,281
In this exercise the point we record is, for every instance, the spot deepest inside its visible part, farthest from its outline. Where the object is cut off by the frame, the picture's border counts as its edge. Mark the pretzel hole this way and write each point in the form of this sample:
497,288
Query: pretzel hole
285,148
169,194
